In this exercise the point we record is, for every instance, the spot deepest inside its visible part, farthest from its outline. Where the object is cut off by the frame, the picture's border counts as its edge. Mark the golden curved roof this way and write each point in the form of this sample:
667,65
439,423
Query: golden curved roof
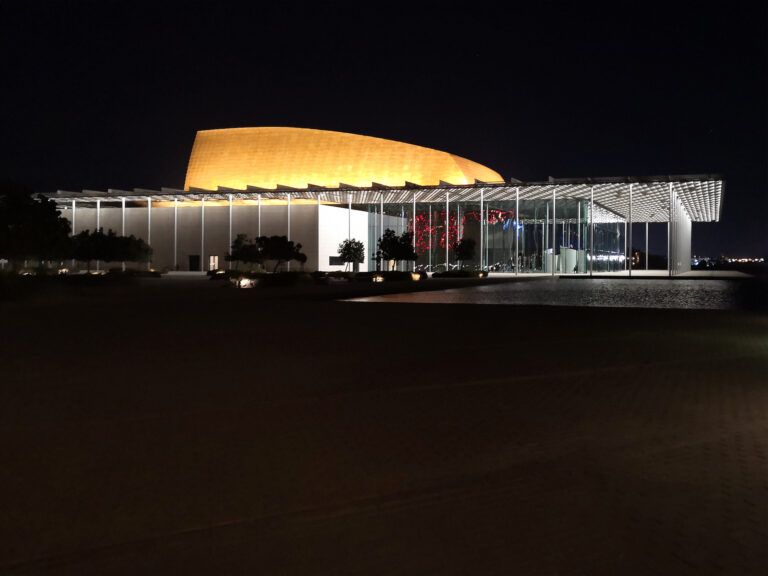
296,157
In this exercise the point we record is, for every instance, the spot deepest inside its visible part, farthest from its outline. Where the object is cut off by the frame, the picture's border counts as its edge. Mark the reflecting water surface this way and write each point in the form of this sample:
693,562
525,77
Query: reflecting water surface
624,293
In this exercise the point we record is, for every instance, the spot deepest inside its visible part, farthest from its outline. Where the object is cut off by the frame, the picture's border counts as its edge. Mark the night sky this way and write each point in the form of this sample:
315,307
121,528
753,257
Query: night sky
109,95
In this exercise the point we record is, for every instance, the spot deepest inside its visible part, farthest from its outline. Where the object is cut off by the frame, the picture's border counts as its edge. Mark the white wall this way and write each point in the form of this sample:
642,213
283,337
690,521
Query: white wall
334,228
245,220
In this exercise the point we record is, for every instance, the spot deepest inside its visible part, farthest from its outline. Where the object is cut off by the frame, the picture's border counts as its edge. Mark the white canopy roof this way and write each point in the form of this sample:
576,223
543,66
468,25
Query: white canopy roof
701,195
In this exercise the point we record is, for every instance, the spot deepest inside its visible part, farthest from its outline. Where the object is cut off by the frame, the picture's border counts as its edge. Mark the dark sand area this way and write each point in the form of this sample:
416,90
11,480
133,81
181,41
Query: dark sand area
183,428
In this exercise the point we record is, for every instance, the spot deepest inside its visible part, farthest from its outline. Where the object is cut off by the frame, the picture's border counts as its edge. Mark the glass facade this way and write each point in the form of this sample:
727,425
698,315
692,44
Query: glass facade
555,228
509,235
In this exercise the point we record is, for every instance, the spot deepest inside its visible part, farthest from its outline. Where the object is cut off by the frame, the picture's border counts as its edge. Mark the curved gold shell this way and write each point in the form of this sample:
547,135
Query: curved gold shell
296,157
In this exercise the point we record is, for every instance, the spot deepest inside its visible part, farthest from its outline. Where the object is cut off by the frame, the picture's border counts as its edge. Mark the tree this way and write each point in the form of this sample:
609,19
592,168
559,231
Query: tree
236,250
352,251
301,258
247,251
463,249
389,245
83,248
129,249
263,248
280,249
30,228
88,246
396,248
406,252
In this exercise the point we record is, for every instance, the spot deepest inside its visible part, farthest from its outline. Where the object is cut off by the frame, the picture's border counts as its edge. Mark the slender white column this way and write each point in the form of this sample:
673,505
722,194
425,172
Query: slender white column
288,267
202,234
544,240
380,261
229,247
481,230
349,216
430,237
646,245
578,236
517,230
630,230
669,237
487,240
149,220
446,230
149,230
175,233
73,226
98,227
592,228
414,230
554,230
122,225
625,244
258,227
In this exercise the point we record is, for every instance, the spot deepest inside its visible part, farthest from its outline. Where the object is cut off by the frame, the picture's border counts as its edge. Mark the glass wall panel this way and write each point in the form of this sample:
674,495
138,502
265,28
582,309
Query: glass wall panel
609,241
500,226
571,236
470,229
430,227
534,236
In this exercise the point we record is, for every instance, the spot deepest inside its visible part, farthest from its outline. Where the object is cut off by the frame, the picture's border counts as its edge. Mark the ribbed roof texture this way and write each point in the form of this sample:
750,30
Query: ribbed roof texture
270,156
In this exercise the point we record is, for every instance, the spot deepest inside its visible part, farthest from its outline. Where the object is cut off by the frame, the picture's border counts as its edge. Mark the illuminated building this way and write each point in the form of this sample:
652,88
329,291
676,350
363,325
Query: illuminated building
299,157
319,188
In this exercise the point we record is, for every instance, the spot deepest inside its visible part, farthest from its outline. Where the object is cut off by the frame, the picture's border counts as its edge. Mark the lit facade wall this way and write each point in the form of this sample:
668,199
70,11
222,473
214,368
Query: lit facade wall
336,224
297,157
569,236
196,243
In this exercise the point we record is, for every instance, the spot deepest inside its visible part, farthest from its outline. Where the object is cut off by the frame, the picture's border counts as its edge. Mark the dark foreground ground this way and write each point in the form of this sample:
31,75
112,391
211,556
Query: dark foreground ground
195,430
